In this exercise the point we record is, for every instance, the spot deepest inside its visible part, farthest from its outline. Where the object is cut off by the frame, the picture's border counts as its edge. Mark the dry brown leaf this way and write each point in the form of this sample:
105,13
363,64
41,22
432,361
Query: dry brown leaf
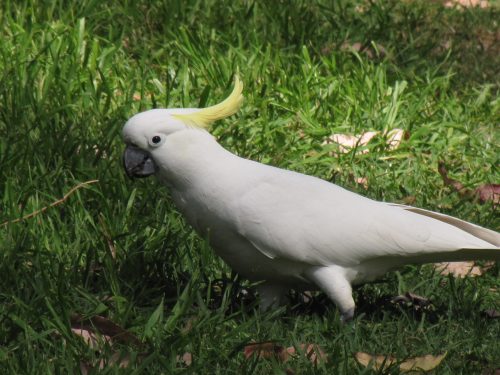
104,327
348,142
269,350
92,339
492,313
456,185
363,181
98,330
488,192
186,359
467,4
483,193
266,350
394,138
424,363
463,269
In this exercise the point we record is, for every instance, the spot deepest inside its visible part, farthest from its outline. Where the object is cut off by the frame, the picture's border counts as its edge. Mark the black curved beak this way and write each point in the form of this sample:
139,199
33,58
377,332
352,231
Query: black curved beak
138,163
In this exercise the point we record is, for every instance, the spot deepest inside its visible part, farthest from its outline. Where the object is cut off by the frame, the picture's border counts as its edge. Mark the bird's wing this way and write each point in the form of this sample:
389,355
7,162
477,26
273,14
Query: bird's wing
305,219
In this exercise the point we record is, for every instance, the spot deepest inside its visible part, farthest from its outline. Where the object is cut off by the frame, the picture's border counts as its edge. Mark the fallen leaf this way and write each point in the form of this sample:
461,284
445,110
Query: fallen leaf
269,350
492,313
483,193
363,181
466,4
424,363
379,362
90,338
348,142
266,350
463,269
394,138
103,327
488,192
186,359
457,185
98,330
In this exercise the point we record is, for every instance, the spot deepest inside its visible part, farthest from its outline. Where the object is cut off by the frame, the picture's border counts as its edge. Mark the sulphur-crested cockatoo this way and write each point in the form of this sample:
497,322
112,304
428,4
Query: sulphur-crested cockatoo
285,228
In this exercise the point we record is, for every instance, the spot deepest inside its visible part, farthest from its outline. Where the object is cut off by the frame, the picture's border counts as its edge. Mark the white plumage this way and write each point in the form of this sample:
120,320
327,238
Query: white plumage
285,228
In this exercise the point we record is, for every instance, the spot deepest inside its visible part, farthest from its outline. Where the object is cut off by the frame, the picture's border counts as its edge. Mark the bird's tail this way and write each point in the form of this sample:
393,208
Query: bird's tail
484,234
487,249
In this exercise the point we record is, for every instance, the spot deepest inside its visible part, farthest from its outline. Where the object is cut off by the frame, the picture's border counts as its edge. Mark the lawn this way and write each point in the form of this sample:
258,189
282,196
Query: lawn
114,256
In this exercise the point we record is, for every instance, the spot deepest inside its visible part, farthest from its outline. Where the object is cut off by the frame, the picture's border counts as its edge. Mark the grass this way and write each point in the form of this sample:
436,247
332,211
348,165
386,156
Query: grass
72,73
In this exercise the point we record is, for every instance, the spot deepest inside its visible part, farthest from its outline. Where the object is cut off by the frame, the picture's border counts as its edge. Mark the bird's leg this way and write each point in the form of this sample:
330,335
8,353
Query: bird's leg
271,295
332,280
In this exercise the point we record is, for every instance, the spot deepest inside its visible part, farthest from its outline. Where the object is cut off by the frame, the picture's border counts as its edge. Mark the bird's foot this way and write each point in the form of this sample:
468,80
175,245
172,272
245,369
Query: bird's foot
271,296
347,315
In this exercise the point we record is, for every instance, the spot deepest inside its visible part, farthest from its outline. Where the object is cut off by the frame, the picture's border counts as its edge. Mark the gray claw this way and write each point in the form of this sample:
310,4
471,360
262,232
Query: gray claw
347,315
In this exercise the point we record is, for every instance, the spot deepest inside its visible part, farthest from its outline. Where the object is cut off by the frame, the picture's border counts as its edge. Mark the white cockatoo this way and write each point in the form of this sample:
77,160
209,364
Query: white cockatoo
287,229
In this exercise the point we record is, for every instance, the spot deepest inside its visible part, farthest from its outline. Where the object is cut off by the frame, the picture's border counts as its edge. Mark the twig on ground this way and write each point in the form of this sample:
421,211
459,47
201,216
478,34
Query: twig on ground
56,203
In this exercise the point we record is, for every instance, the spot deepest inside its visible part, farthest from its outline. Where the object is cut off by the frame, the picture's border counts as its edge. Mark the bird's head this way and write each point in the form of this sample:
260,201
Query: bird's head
146,132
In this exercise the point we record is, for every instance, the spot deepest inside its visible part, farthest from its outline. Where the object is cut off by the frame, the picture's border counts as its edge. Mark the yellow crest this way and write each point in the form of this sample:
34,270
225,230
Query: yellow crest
204,117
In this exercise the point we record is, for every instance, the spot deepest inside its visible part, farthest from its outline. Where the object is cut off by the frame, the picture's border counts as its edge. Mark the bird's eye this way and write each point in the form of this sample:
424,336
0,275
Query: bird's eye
155,140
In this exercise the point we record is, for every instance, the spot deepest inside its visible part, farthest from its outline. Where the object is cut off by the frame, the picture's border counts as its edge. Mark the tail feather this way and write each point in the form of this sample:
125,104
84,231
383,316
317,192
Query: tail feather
484,234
